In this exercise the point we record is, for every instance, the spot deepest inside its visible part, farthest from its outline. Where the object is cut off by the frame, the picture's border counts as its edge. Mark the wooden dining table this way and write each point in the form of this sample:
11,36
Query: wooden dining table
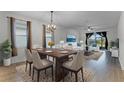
60,56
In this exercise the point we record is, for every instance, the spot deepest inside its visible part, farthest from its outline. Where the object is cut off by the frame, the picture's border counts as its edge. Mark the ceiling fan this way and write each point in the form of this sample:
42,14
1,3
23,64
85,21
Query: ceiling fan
90,28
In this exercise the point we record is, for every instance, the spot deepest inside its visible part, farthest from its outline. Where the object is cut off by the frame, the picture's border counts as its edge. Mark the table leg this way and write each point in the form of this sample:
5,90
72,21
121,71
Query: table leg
58,70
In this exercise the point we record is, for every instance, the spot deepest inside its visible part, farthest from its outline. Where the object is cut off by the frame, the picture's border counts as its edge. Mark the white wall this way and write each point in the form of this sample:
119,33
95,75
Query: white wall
5,32
60,34
3,27
121,40
80,34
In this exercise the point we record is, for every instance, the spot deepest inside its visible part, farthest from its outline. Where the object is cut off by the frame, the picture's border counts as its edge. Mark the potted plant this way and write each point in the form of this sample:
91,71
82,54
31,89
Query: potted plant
6,52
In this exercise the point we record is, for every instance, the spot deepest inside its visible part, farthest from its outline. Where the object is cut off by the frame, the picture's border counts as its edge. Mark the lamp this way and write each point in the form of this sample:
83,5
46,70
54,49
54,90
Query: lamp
51,27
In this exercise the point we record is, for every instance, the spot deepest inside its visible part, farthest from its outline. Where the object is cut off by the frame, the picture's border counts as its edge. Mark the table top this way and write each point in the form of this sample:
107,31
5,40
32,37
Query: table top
55,52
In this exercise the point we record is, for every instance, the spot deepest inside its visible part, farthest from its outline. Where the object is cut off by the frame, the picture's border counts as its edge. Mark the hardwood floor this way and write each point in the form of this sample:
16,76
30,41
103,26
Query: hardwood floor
9,74
106,69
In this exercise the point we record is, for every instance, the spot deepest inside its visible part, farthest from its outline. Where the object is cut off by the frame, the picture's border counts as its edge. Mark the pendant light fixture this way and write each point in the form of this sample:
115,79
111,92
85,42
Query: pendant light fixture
51,27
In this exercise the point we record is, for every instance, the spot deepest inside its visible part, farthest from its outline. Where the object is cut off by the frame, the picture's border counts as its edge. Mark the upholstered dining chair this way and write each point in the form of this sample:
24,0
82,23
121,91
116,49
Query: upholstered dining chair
39,64
75,65
28,60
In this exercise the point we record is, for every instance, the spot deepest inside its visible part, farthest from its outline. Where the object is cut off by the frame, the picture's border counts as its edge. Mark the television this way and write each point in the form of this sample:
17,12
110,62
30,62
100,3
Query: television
71,38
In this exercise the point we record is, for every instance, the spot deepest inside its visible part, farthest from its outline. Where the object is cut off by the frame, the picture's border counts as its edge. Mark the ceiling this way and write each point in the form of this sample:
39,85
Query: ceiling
76,19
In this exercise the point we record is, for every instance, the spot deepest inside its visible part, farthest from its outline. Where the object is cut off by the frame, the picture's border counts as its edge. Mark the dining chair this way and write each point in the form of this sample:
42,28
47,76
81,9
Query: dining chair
28,60
40,64
74,66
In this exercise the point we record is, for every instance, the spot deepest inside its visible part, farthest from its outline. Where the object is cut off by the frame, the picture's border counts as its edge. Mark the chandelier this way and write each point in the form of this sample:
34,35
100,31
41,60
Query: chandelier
51,27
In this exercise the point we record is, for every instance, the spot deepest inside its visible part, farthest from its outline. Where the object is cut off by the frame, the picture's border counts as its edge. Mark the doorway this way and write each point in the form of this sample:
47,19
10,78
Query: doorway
96,40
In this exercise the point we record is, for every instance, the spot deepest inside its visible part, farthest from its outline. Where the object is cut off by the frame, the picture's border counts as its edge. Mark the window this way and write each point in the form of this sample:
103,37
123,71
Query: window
21,34
48,38
96,40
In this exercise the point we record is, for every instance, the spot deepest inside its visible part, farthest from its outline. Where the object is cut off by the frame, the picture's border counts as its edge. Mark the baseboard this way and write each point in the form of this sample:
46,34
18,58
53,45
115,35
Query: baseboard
122,67
17,60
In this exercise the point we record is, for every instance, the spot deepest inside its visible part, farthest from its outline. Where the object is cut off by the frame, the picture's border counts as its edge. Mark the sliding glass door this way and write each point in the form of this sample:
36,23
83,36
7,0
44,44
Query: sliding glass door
96,40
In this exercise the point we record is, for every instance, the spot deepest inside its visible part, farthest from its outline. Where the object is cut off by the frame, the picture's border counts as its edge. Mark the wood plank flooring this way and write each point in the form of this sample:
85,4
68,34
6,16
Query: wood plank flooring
106,69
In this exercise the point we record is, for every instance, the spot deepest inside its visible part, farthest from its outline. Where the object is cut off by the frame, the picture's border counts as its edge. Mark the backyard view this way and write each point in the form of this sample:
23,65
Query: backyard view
96,41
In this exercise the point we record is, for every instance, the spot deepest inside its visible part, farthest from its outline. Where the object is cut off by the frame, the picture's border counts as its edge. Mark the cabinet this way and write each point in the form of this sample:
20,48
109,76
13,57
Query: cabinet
114,52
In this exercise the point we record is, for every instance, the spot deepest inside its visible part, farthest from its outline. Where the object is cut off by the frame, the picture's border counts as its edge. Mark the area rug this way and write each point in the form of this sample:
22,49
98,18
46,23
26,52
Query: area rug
94,56
88,75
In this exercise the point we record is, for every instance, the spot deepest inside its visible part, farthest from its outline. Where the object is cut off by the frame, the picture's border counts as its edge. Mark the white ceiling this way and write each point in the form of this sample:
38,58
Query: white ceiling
76,19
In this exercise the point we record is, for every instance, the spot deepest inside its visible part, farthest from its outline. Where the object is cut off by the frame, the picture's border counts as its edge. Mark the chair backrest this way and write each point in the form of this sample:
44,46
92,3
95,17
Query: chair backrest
36,58
78,60
36,46
28,55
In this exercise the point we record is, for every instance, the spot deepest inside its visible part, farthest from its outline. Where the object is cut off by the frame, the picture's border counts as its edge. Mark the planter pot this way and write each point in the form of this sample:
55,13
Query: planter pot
7,62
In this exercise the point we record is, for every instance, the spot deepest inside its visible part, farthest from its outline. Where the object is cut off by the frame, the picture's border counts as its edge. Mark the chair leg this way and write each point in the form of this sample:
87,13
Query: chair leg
38,75
33,74
29,69
71,73
52,74
82,74
63,74
26,66
53,59
45,71
76,77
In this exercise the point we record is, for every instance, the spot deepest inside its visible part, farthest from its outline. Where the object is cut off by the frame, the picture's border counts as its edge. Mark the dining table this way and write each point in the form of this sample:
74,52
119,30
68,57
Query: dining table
60,56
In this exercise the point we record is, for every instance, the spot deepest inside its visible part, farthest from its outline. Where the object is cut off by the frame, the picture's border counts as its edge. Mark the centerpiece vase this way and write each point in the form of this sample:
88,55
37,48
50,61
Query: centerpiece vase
51,47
